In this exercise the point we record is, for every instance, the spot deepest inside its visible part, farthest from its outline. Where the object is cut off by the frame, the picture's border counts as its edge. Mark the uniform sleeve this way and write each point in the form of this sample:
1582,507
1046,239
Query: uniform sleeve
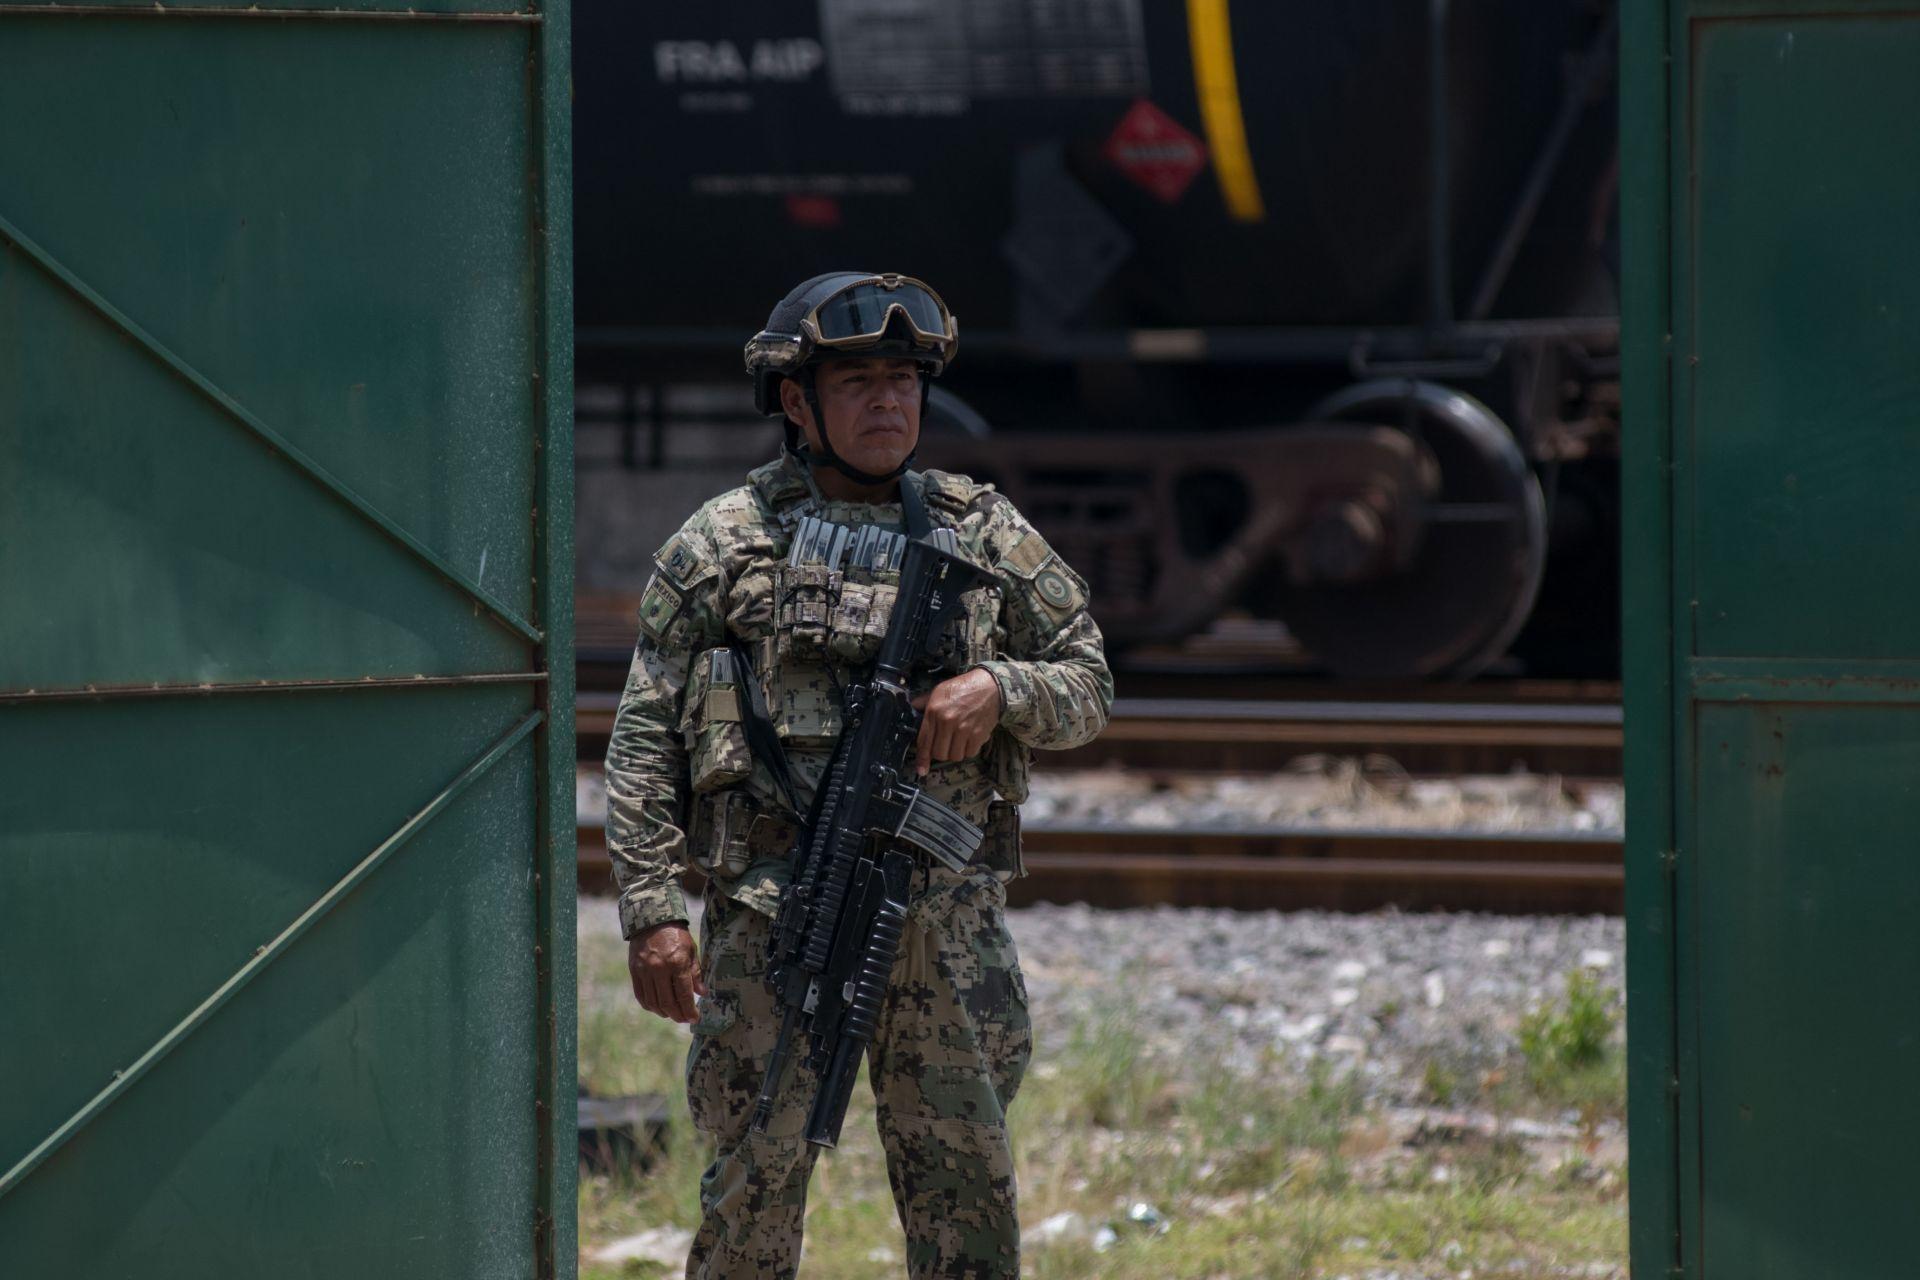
647,783
1055,687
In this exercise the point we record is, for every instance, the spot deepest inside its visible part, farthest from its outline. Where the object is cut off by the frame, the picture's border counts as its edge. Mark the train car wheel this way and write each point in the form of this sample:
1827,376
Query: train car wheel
1470,584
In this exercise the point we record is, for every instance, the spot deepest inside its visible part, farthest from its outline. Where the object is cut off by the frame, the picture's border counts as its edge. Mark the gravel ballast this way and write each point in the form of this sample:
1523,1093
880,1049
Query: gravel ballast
1325,792
1383,994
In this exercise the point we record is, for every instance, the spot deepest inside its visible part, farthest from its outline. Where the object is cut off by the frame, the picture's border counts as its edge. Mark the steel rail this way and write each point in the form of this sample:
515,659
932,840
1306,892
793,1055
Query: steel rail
1308,844
1218,713
1439,713
276,443
1344,870
1294,867
1192,735
264,955
1273,844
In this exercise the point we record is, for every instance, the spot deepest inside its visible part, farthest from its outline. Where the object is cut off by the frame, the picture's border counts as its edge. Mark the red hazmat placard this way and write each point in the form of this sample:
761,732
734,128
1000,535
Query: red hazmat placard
816,213
1155,150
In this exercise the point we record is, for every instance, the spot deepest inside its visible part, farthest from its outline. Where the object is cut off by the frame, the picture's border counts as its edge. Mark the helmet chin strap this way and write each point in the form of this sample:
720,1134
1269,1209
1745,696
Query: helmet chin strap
797,446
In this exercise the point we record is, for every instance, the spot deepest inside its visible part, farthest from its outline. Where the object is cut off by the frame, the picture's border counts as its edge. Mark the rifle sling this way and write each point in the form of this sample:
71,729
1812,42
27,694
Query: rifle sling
761,738
913,507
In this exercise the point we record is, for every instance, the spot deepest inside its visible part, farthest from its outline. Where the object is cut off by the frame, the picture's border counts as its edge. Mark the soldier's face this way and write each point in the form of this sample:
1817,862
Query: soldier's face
872,408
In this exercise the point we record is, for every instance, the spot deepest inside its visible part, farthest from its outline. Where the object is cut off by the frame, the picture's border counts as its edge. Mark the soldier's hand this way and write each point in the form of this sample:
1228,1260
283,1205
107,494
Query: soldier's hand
957,717
665,971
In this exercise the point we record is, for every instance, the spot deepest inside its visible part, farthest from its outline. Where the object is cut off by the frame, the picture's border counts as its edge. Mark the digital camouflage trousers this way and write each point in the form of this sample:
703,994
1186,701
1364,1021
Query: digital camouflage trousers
946,1060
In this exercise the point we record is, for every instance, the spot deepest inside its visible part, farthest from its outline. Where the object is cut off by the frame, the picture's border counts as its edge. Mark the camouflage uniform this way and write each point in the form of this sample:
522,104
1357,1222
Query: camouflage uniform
683,789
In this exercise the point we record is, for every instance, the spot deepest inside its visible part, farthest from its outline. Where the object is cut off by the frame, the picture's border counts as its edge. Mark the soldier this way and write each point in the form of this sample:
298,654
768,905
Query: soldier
846,358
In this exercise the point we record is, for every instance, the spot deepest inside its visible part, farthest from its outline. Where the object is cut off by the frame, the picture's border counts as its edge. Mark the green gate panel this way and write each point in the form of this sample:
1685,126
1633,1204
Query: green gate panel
251,193
286,840
1808,892
1770,190
1806,449
205,557
201,850
395,1038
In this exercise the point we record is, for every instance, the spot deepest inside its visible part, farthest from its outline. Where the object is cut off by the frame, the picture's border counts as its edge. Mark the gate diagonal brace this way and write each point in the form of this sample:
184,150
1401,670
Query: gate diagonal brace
306,465
125,1078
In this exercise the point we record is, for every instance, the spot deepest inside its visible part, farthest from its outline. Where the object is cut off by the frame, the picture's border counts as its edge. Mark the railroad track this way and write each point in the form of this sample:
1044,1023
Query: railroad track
1573,739
1288,869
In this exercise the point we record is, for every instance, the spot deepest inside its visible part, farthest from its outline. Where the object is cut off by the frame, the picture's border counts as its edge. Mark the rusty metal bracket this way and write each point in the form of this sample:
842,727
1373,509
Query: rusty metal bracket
263,956
276,442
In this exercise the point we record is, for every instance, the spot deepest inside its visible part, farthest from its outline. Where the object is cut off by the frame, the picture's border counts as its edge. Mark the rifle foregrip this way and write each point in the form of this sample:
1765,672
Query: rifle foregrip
856,1028
876,969
834,884
836,1091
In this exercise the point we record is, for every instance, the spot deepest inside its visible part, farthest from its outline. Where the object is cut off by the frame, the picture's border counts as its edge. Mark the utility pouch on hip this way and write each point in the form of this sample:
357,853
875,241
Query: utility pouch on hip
730,831
1000,853
717,754
1009,764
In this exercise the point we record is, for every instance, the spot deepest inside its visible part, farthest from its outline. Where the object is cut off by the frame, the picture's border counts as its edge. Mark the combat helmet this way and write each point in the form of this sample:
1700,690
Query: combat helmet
848,313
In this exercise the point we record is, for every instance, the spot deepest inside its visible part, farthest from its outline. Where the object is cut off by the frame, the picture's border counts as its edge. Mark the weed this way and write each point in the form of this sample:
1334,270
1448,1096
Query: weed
1570,1052
1103,1076
1572,1034
1492,1164
1254,1133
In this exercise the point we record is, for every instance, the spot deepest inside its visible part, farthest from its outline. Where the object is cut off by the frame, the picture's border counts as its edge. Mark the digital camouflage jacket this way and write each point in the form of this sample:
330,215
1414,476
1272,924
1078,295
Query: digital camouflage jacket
682,788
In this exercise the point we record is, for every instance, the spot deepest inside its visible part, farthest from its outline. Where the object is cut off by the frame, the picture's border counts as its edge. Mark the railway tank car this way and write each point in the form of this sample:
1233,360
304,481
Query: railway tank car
1303,310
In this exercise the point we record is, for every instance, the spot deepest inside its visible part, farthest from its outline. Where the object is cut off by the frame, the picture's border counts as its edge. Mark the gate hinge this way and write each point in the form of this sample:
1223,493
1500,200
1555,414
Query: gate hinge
1669,860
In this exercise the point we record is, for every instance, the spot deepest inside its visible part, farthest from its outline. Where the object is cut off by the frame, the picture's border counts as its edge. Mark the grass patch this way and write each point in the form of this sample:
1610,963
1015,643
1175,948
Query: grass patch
1572,1053
1102,1077
1253,1133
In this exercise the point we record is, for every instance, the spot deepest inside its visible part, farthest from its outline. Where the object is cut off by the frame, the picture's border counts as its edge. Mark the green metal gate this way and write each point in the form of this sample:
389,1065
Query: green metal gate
286,756
1771,193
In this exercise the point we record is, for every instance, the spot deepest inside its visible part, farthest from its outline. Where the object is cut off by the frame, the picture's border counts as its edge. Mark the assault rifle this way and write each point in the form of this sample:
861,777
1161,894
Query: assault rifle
843,912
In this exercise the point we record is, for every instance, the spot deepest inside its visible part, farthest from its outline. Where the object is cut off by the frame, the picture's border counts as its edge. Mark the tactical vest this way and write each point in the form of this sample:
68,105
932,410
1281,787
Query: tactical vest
811,607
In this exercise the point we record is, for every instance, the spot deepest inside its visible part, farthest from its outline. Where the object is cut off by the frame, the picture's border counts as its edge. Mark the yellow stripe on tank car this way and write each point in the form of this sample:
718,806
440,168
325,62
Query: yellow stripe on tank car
1217,88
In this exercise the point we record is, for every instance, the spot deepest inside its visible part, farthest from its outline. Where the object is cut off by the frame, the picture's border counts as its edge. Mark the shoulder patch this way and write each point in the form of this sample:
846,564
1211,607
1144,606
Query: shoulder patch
1027,555
1057,590
1054,588
679,561
659,606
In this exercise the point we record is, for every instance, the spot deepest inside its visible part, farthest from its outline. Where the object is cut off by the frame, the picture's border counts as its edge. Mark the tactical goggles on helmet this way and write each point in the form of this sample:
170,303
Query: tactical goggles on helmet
860,313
